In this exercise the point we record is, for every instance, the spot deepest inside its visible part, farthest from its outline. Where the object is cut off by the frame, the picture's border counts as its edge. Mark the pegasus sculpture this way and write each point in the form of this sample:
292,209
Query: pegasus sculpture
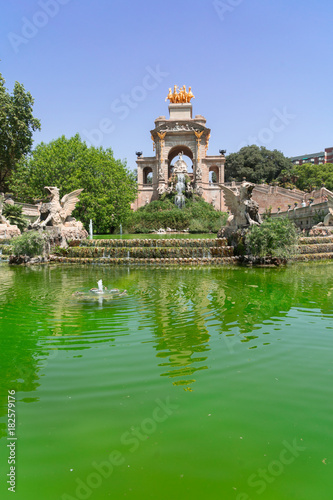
56,212
244,211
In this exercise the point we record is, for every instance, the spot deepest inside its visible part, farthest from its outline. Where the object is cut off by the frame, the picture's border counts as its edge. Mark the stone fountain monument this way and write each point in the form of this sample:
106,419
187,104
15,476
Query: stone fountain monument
187,135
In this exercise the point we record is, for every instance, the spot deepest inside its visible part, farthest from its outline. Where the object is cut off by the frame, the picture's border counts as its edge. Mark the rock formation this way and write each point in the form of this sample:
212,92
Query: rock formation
7,230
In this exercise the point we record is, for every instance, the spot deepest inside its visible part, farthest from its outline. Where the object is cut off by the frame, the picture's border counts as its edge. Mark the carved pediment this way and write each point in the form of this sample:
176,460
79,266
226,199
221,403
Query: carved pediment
176,126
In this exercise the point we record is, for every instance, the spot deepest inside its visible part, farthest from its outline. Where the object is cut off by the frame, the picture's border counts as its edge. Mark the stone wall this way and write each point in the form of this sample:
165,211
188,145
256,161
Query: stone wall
279,198
29,211
306,217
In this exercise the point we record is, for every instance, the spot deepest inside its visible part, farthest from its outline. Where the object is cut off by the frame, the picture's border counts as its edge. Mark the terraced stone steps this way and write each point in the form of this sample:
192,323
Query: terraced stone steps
315,248
154,243
212,251
160,251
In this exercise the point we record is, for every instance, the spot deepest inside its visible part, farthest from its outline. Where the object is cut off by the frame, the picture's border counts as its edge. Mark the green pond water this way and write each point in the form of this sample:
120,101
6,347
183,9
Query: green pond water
202,383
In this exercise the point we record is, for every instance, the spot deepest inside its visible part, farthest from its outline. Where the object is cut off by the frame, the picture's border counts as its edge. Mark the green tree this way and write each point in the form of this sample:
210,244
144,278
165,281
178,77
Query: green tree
69,164
16,128
256,164
312,176
14,213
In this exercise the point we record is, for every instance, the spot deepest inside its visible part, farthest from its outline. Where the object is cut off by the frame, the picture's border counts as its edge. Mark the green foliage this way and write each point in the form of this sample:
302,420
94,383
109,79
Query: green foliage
310,176
16,128
62,252
69,164
14,214
267,213
276,237
318,216
287,178
255,164
30,243
197,215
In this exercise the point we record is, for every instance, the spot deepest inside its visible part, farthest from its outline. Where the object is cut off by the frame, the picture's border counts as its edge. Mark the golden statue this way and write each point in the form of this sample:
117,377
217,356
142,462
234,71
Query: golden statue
161,135
175,95
198,134
182,94
169,96
180,97
189,95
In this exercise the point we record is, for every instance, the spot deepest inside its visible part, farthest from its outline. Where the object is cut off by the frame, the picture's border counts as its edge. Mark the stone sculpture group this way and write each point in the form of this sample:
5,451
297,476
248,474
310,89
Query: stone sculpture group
55,215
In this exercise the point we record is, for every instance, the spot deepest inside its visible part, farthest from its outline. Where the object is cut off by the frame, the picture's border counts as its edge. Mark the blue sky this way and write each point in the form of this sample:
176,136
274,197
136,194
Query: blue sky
260,70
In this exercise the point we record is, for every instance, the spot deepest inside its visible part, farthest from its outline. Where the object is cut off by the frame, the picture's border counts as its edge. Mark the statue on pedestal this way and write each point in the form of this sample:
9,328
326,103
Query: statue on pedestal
244,211
57,214
181,97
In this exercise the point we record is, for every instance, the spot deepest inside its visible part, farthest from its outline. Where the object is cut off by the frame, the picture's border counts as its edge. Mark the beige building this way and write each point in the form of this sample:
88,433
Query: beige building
180,134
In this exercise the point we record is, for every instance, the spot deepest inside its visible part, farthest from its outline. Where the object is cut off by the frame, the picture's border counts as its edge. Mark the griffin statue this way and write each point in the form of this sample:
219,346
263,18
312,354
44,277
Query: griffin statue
57,212
244,211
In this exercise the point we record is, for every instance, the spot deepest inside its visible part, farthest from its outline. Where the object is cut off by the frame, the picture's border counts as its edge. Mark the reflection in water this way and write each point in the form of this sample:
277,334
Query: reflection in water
179,316
178,310
257,343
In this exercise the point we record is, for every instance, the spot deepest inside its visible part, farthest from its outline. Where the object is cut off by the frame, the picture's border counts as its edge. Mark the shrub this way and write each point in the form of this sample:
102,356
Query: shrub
14,214
30,243
199,216
196,226
276,237
318,216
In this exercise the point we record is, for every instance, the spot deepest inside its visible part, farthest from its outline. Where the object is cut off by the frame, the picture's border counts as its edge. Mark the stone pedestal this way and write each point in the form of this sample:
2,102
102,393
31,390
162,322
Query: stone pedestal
180,111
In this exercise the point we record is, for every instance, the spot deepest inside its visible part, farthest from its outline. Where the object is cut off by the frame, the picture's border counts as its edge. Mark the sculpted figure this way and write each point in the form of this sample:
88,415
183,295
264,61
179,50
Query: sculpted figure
180,97
189,95
244,211
182,94
56,212
161,189
175,96
169,96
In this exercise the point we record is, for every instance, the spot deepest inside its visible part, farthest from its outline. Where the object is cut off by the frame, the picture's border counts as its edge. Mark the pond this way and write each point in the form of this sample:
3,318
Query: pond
202,383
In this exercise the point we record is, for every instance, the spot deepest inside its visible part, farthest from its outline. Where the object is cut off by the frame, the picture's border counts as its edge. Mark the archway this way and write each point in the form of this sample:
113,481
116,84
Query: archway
214,175
187,157
147,175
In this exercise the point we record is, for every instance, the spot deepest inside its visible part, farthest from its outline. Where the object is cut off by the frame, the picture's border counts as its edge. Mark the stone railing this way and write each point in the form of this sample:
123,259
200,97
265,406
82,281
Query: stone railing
306,217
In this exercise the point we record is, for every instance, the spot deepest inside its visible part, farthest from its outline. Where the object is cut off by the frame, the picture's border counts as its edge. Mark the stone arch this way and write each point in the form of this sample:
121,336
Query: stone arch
175,152
214,170
147,175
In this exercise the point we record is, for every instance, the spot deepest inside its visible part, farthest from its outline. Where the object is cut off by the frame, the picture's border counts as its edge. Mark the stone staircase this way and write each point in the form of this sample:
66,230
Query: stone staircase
212,251
315,248
149,251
